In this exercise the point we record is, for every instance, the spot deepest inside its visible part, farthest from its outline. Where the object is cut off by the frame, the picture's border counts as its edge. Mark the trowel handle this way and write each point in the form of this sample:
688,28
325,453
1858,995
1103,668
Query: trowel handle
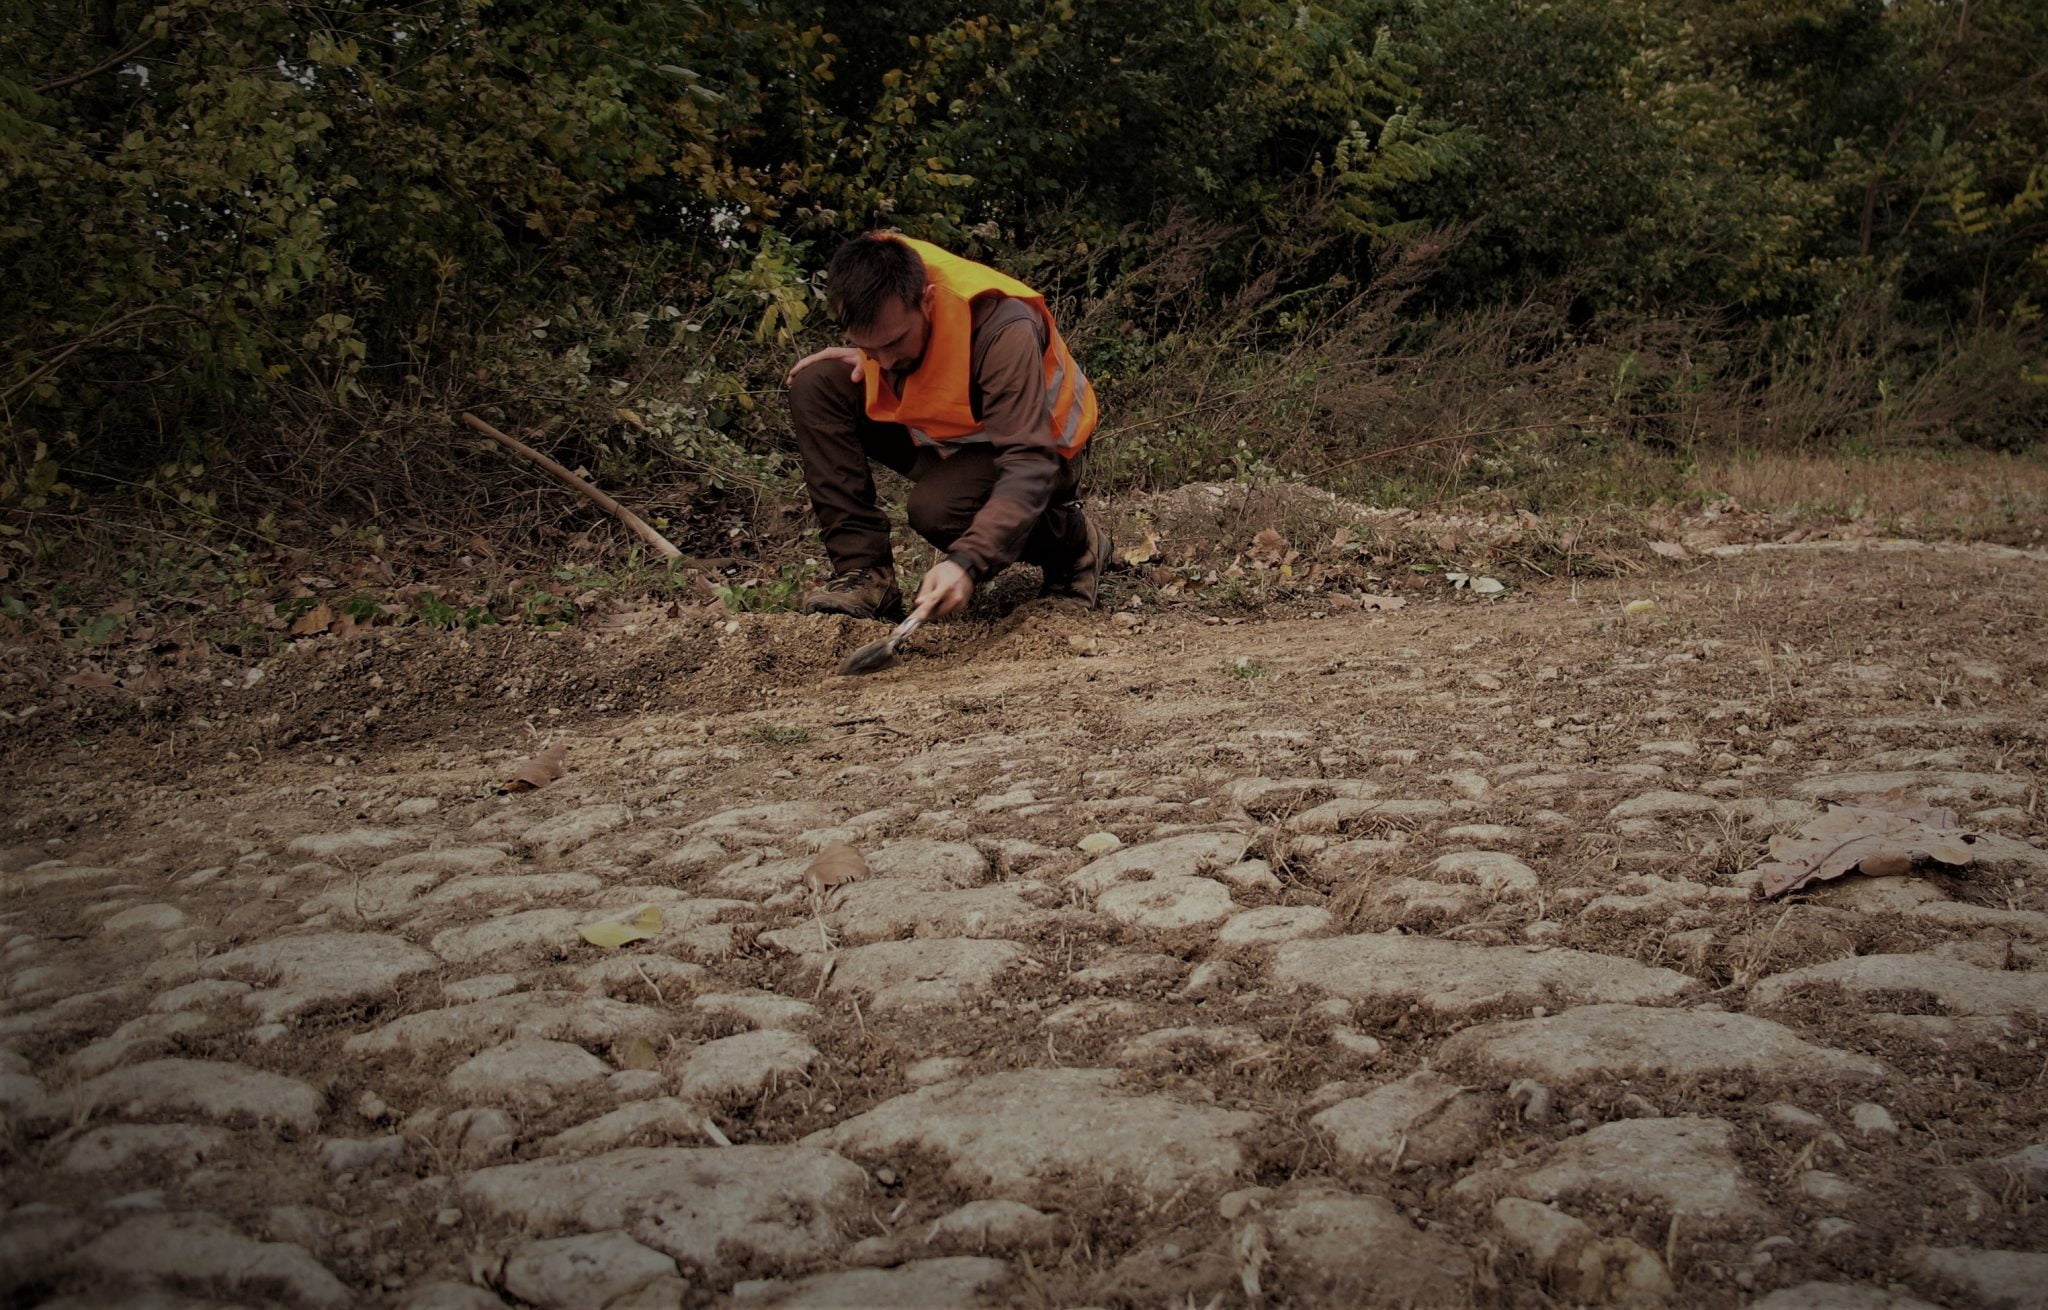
914,622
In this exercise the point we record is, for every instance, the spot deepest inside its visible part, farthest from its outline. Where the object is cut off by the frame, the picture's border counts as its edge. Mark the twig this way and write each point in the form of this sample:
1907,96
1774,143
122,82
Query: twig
98,68
662,546
641,969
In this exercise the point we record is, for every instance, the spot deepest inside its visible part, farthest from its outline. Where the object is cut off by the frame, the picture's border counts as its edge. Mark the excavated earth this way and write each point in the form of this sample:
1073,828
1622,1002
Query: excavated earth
1427,969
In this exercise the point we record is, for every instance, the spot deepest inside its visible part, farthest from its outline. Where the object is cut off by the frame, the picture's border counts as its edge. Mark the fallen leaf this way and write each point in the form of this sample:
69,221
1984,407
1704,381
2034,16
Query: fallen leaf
1884,836
1340,538
835,864
1488,586
1268,547
89,680
539,771
638,1053
313,621
1143,550
1096,843
614,933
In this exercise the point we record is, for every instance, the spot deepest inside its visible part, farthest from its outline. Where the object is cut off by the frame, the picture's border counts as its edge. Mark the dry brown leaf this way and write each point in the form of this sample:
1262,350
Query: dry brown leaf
89,680
837,863
539,771
313,621
1268,547
1340,539
1143,550
1885,836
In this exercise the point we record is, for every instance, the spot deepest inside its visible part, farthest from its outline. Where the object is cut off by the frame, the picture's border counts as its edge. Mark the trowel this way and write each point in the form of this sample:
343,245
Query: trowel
877,653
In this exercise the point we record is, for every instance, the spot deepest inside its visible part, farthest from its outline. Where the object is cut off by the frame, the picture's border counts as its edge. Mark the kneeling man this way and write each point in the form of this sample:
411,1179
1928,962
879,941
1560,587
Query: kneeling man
957,379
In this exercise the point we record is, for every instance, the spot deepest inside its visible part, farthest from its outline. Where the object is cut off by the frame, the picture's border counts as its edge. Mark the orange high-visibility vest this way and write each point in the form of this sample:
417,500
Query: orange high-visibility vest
935,403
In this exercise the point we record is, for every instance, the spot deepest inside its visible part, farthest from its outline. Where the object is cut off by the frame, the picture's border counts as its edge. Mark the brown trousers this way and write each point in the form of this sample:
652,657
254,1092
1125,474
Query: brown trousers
839,445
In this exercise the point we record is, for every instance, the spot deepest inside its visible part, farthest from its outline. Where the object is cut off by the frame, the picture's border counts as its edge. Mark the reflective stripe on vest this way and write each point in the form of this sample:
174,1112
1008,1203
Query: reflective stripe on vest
936,401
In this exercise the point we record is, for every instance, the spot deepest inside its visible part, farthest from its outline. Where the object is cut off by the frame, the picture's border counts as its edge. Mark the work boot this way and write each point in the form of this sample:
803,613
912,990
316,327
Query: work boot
859,593
1082,579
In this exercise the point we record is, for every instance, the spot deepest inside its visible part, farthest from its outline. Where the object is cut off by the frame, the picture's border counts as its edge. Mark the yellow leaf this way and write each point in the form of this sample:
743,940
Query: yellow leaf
1146,548
638,1053
614,933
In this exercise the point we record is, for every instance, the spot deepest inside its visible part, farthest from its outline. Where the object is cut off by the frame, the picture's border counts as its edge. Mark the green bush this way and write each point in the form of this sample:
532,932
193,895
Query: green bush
282,243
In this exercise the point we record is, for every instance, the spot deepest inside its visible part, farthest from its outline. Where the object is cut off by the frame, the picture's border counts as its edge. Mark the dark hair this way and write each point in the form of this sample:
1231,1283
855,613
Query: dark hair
865,273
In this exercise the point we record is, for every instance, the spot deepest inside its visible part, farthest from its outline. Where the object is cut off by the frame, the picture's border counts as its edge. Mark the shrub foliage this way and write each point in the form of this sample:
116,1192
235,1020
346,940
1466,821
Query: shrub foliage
285,241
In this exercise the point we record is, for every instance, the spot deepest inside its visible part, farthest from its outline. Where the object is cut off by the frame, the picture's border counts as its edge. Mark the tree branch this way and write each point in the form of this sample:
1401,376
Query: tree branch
640,526
111,61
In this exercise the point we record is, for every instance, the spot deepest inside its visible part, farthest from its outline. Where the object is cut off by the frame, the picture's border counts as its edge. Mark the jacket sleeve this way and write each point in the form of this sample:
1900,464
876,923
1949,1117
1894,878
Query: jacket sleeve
1009,373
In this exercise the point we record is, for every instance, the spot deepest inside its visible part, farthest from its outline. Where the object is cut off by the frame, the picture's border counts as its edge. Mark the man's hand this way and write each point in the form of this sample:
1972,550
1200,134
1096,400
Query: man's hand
949,583
844,354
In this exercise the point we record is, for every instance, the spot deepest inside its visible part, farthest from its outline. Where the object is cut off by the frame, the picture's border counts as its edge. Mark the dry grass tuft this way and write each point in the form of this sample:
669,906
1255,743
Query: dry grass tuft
1971,494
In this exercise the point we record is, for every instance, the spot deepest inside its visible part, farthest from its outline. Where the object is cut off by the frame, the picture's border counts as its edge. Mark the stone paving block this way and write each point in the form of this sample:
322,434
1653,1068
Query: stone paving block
925,972
777,818
1628,1040
353,841
1420,1120
757,1009
130,1149
720,1209
963,1281
1271,924
876,909
578,827
527,1071
448,1295
991,1225
1685,1166
1167,904
1495,872
1337,1248
952,863
1994,1280
1184,855
1459,977
224,1092
1020,1133
1839,1296
586,1272
196,1247
551,1014
744,1067
320,970
1961,989
659,1121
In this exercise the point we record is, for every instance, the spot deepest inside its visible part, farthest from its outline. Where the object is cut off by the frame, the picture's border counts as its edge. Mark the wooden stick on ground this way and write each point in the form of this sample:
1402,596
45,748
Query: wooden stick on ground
626,516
